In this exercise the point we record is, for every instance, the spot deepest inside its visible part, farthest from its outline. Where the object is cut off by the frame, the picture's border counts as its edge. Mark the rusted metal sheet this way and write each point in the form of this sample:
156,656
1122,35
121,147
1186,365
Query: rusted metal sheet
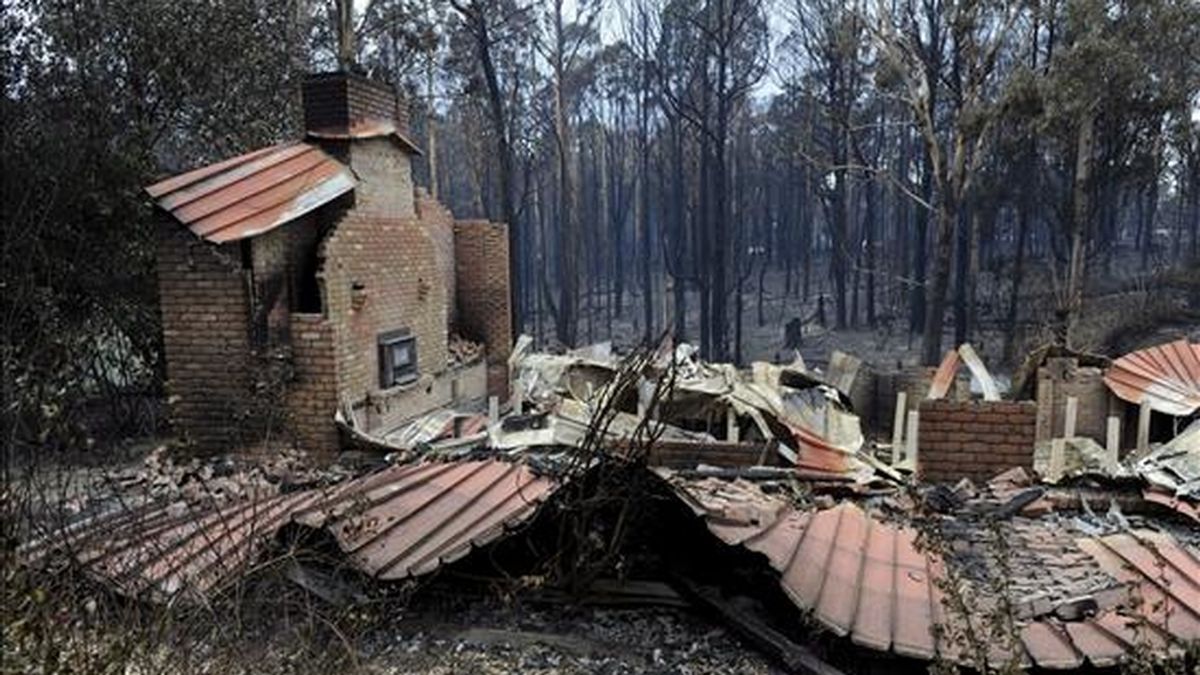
868,580
818,454
403,521
1180,506
943,378
367,128
947,370
162,551
408,520
253,193
1167,377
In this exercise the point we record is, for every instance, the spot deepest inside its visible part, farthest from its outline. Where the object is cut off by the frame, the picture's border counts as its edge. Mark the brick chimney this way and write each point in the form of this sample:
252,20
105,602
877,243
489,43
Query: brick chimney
338,100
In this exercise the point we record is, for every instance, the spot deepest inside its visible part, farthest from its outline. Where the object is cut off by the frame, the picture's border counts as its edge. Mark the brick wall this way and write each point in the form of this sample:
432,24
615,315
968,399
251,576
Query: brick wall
393,264
312,395
1062,377
481,261
334,99
439,223
203,301
974,439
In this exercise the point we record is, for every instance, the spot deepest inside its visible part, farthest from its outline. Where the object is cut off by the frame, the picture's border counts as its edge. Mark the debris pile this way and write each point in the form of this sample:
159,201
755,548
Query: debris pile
461,351
1072,557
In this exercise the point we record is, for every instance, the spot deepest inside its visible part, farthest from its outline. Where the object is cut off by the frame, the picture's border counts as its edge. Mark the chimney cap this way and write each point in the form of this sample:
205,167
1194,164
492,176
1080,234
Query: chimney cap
344,105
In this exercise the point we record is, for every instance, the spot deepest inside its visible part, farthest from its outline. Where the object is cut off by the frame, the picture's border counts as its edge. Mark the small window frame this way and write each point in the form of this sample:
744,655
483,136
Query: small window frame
390,374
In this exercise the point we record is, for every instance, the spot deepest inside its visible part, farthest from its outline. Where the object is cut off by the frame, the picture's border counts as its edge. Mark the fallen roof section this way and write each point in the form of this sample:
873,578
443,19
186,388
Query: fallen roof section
1167,377
858,576
403,521
165,550
1175,466
870,580
253,193
1166,577
408,520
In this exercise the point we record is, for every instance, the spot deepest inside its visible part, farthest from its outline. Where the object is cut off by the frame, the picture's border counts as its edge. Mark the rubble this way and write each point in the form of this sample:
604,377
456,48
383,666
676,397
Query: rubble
475,635
1175,466
461,351
887,586
773,462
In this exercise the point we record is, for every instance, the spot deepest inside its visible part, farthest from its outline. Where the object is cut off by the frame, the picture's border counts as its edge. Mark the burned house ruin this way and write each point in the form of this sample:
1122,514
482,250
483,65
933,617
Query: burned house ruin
314,276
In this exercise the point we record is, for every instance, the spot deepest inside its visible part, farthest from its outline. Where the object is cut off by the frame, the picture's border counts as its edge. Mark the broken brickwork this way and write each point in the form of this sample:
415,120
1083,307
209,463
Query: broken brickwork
914,381
439,225
974,439
481,257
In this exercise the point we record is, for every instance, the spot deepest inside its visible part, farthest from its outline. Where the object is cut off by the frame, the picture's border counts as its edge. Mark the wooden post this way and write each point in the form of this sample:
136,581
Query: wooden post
910,438
1143,430
1113,445
493,409
518,398
898,425
1057,459
731,425
1072,415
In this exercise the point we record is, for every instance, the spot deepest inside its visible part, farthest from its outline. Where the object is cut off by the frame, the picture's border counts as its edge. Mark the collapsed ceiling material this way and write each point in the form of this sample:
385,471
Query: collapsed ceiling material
801,417
1166,377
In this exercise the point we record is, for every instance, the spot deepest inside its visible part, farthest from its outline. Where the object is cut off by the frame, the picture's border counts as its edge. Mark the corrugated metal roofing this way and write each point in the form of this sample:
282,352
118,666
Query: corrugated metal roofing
160,551
869,580
407,520
403,521
253,193
1166,376
1180,506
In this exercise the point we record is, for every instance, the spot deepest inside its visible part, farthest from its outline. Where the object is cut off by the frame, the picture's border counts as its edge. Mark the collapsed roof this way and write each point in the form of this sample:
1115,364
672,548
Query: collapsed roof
892,567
